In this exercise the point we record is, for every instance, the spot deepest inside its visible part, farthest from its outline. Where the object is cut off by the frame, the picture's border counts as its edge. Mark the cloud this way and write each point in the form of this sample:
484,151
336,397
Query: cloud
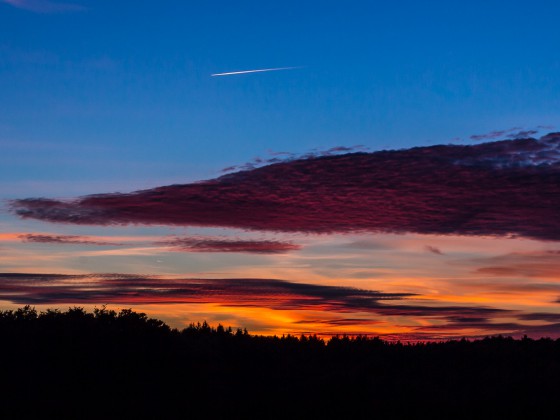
514,329
44,6
130,289
539,316
340,306
133,289
200,244
538,264
511,133
522,134
548,325
278,157
433,250
63,239
34,278
493,135
505,188
343,321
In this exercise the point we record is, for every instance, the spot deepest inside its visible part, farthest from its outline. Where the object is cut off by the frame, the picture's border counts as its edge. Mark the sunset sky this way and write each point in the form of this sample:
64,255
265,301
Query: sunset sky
395,171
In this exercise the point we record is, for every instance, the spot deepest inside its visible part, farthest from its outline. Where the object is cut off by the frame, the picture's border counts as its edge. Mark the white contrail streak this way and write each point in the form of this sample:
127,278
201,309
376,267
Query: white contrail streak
253,71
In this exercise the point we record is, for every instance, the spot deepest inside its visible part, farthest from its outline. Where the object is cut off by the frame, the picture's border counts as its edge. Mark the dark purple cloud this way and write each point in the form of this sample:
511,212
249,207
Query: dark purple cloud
337,322
493,135
133,289
522,134
511,133
63,239
194,244
505,188
278,157
514,329
540,316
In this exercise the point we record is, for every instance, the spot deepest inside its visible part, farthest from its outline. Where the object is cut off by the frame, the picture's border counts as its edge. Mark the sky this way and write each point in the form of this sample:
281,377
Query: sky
395,172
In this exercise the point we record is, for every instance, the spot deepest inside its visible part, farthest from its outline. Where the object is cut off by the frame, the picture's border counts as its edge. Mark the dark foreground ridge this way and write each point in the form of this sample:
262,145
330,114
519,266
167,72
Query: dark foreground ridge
125,365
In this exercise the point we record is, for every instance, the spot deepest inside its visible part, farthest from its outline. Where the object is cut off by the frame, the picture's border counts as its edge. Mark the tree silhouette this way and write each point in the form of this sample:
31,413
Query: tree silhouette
83,364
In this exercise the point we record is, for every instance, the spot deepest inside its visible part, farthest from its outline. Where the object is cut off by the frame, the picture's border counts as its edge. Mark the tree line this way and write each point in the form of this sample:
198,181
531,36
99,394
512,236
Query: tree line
86,364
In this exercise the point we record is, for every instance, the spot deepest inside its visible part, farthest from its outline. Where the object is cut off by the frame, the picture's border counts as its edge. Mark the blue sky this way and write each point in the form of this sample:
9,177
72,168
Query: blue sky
109,81
106,96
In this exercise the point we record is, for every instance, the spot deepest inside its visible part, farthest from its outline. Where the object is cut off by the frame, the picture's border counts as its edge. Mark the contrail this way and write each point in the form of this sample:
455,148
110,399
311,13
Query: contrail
253,71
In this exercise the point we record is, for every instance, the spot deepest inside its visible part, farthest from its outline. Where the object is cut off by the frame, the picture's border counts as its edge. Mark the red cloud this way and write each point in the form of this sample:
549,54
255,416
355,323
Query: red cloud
193,244
63,239
509,187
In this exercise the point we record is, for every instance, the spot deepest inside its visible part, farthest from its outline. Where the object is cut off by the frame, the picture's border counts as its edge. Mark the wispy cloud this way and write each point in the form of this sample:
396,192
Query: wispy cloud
493,135
64,239
44,6
511,133
232,73
214,244
283,157
542,264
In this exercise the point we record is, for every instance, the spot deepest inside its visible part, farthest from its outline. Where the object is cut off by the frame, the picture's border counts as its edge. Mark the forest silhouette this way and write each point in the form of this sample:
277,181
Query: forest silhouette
79,364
